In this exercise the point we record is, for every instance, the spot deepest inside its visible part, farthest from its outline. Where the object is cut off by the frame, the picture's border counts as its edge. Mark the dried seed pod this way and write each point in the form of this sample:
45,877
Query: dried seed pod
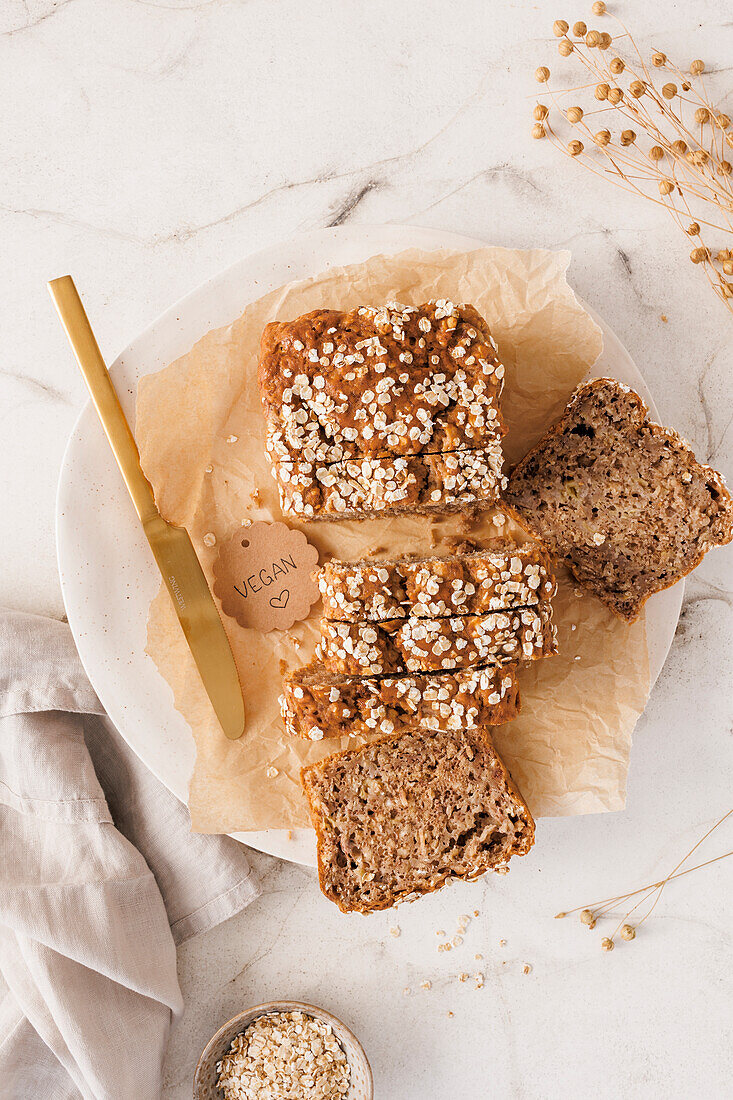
559,28
565,47
725,167
699,255
722,121
656,152
586,916
606,40
617,66
723,254
615,96
659,59
697,67
702,115
599,8
575,148
628,932
686,85
602,91
628,137
542,75
726,290
666,187
728,267
579,29
679,147
693,229
541,112
607,944
669,91
574,114
602,137
538,130
592,39
698,157
637,88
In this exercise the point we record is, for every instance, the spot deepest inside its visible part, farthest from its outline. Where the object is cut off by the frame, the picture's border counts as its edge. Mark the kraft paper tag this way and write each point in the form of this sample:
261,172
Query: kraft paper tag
264,576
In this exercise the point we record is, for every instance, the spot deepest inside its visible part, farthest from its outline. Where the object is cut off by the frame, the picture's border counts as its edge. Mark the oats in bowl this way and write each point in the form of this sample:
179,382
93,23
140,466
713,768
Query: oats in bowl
285,1056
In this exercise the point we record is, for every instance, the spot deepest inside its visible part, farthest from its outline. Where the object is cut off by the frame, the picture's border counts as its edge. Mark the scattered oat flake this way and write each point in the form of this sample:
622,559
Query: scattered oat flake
457,941
271,772
426,985
475,912
478,957
395,932
463,977
232,438
440,932
526,969
664,318
209,469
209,539
479,980
290,834
449,1014
502,943
406,991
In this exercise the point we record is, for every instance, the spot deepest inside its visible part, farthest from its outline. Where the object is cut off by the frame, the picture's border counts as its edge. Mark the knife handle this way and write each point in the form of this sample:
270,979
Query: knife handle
89,357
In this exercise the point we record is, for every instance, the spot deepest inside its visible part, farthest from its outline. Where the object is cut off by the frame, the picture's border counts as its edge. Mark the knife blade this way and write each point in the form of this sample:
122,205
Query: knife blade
171,546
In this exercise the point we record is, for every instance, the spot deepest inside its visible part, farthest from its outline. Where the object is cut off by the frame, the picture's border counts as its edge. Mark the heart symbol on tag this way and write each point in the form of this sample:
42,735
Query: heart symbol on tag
280,601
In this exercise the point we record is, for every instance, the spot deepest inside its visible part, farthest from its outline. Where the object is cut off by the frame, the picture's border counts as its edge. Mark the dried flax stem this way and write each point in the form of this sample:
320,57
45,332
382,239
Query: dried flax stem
685,168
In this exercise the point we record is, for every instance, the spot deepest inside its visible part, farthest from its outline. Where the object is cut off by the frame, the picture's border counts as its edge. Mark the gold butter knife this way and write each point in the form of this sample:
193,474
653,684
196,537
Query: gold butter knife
171,546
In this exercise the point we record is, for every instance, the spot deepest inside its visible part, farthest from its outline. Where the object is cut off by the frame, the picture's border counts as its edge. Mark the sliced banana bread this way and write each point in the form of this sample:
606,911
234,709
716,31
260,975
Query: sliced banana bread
466,584
389,380
317,704
403,815
623,501
429,645
386,486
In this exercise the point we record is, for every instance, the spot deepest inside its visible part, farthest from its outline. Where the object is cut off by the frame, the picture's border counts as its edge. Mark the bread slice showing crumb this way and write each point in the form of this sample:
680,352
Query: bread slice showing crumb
623,501
430,645
317,704
401,816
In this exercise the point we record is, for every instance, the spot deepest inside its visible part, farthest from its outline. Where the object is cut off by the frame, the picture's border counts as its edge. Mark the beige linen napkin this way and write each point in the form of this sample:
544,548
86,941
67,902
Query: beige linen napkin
90,913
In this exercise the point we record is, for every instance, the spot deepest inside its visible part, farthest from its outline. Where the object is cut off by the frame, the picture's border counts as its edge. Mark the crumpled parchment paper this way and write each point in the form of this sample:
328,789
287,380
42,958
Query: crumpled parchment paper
569,749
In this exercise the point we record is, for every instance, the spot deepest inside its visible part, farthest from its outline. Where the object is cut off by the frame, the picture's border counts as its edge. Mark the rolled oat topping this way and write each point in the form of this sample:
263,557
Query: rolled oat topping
427,645
316,703
285,1056
383,385
488,580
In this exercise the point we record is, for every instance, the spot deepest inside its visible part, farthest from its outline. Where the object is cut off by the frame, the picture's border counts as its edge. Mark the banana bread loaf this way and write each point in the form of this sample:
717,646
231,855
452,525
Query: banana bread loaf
429,645
623,501
386,486
466,584
317,704
403,815
374,381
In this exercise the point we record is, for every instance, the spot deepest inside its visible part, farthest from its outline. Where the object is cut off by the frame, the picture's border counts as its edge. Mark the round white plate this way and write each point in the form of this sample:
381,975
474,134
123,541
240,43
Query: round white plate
108,575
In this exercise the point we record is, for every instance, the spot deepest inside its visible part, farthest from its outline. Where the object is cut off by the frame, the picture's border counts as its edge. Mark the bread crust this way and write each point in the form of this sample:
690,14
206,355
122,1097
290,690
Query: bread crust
437,587
316,704
431,645
367,410
628,608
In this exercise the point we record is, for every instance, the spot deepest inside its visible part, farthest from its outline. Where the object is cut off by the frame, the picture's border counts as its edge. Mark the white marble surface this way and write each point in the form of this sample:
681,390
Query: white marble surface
147,144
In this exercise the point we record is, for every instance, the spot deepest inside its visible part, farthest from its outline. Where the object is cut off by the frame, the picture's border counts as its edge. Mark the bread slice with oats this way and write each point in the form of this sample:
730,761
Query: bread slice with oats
623,501
431,645
317,704
382,410
492,579
402,816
